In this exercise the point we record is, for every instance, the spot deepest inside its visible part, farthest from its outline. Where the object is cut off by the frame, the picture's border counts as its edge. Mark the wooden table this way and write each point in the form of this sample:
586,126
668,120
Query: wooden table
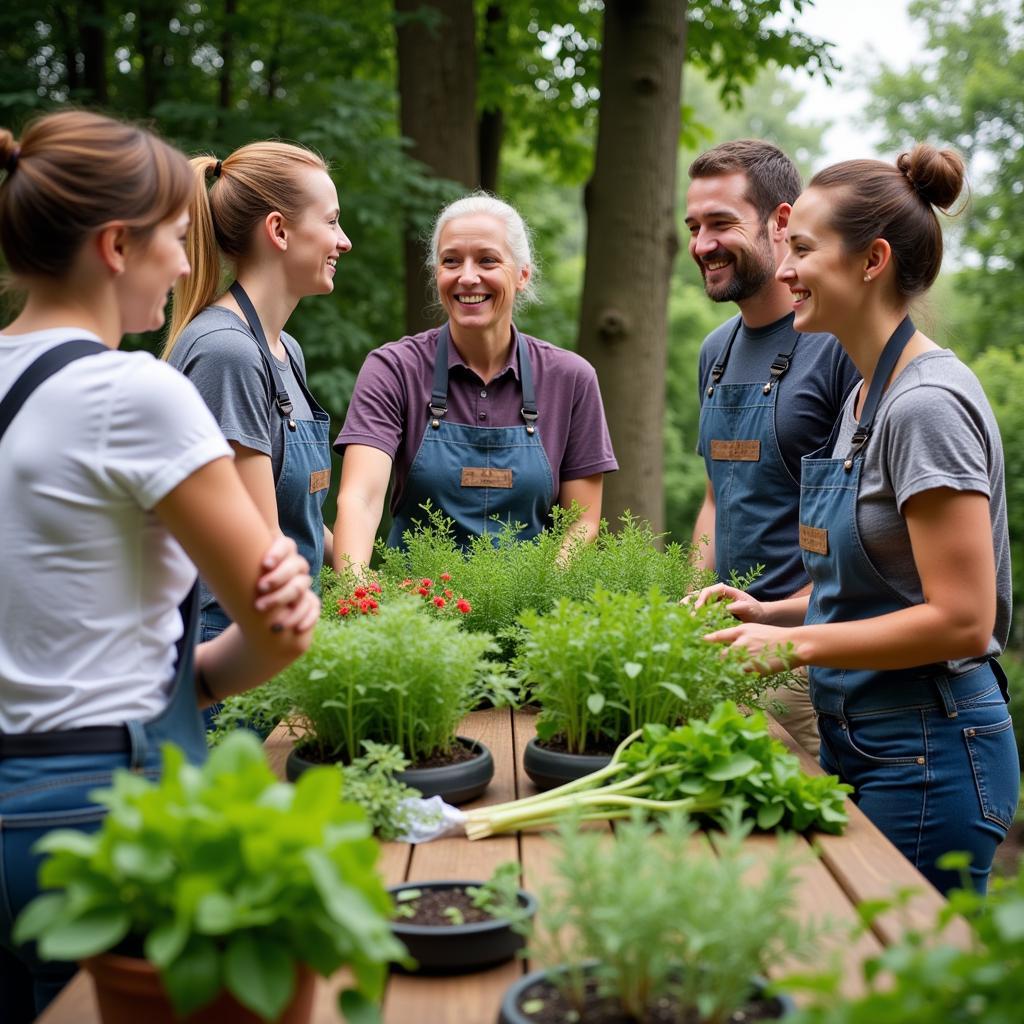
859,865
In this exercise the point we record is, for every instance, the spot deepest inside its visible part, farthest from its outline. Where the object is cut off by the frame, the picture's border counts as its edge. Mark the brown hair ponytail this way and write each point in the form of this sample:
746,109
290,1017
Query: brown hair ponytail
73,172
253,182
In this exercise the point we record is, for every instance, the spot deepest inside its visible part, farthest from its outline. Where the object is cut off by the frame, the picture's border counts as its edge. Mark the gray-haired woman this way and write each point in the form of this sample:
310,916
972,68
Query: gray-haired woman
481,420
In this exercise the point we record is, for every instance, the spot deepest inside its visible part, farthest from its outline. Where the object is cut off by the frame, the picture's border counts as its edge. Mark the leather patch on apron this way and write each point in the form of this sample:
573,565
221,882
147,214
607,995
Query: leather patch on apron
813,538
319,480
736,451
482,477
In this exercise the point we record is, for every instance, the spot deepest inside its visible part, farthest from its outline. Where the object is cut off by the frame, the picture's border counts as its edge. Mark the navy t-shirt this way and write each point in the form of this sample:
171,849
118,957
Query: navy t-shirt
808,403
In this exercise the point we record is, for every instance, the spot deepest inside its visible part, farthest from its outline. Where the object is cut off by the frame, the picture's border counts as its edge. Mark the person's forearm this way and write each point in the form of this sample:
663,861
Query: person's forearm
354,532
906,638
233,663
791,611
704,536
328,546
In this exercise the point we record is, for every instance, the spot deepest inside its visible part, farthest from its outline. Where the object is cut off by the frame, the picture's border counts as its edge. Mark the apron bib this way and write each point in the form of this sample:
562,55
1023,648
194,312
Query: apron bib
474,474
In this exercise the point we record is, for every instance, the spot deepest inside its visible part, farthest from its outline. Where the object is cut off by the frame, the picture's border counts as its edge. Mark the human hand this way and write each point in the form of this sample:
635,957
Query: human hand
284,587
763,643
741,604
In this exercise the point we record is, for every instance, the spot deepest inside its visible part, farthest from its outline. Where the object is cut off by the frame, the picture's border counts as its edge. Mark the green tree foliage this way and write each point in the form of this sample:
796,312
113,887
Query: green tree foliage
968,90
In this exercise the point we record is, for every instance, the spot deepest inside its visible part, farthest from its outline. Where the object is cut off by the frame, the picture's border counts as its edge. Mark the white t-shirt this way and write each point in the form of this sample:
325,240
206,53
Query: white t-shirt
90,579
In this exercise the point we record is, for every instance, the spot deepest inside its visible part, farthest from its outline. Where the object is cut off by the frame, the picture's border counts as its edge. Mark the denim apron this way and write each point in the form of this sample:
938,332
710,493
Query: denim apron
305,474
930,753
477,475
754,489
44,791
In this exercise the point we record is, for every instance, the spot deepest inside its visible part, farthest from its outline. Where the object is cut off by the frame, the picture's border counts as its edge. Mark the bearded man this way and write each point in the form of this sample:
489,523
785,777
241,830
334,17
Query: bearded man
769,394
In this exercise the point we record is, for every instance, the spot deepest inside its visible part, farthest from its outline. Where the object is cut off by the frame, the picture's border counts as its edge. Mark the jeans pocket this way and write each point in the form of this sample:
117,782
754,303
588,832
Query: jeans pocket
994,763
880,740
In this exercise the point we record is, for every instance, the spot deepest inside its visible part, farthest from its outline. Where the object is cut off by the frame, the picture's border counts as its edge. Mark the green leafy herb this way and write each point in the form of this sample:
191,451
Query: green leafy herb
400,677
603,667
929,978
704,767
657,916
227,876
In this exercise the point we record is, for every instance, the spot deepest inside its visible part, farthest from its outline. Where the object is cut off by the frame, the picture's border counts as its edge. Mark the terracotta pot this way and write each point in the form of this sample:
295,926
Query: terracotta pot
550,768
454,783
458,948
129,991
780,1005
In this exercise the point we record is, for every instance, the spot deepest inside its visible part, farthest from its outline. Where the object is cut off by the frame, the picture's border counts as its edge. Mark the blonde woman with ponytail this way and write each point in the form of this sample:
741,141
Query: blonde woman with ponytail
269,211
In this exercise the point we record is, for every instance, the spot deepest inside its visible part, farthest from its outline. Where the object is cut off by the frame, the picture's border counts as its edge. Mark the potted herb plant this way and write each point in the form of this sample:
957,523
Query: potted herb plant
647,928
400,676
603,667
220,889
454,927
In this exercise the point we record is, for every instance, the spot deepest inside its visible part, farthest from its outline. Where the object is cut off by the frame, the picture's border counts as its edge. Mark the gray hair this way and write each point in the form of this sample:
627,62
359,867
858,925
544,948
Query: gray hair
517,237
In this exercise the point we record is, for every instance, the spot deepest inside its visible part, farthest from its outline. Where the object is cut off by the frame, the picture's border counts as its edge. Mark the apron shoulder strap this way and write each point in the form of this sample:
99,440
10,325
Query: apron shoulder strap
40,370
281,397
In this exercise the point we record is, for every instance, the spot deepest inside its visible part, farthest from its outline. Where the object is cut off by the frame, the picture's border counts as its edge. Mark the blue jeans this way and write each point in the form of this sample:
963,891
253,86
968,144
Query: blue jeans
932,782
38,794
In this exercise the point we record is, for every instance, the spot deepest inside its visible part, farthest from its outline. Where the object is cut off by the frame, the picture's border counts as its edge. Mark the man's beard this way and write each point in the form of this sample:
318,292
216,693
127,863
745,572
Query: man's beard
752,269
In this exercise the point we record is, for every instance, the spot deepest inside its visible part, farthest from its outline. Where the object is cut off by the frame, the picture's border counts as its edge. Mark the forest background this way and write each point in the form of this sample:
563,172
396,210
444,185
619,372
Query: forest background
583,113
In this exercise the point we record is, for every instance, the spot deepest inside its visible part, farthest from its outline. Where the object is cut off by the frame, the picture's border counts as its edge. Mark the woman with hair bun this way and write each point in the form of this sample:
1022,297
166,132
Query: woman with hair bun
479,419
117,484
903,529
270,210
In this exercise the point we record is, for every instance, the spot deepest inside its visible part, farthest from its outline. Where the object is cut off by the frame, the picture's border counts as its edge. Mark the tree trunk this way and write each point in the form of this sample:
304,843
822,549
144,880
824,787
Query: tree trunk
437,91
632,240
492,119
93,30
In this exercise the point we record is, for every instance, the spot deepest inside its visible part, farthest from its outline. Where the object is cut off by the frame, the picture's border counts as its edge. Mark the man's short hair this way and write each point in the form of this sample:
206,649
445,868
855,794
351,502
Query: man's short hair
772,178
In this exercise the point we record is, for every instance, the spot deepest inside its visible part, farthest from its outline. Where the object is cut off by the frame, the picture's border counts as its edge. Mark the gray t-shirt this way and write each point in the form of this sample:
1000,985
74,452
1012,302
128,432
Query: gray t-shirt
218,353
934,428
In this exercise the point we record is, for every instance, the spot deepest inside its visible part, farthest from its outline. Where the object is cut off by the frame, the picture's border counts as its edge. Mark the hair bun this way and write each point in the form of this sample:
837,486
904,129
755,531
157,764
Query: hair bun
9,150
936,174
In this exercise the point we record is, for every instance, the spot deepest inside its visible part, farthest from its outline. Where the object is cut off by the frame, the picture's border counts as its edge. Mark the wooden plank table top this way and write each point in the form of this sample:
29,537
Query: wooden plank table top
835,873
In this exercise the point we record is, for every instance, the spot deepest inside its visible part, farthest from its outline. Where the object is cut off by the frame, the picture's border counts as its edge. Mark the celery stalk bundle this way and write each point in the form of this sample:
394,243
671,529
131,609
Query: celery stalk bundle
703,768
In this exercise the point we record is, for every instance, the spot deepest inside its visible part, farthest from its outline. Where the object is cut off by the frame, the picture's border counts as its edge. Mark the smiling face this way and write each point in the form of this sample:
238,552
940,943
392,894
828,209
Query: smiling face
827,282
152,265
728,239
316,239
477,279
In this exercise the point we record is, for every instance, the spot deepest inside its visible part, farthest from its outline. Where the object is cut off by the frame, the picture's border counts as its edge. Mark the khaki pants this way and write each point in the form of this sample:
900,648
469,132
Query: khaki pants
798,719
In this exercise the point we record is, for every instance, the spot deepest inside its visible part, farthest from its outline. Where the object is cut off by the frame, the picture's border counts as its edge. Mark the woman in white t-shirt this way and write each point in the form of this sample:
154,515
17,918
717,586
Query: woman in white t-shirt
117,485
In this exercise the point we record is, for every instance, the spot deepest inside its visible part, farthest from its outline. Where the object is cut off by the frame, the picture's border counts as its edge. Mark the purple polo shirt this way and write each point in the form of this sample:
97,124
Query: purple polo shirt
389,405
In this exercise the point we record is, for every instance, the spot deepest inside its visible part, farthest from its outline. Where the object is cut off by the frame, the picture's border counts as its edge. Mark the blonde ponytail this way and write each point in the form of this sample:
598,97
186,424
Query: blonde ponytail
254,181
197,290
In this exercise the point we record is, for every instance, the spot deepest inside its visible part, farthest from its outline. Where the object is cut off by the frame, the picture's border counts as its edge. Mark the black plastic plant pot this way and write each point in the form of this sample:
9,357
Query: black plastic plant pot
551,768
535,984
458,948
455,783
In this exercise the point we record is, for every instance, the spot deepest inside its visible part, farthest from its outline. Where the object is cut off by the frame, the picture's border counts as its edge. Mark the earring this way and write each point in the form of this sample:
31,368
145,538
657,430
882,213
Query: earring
867,279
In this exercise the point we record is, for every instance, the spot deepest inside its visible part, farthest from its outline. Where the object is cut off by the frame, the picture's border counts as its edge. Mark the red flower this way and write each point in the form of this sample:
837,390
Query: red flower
447,593
343,609
439,601
446,576
426,583
364,605
464,606
422,591
406,583
371,604
359,592
374,588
